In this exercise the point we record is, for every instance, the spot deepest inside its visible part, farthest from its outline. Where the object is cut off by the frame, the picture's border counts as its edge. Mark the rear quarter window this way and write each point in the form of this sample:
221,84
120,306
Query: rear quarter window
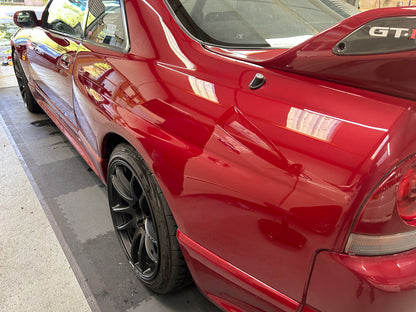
105,24
258,23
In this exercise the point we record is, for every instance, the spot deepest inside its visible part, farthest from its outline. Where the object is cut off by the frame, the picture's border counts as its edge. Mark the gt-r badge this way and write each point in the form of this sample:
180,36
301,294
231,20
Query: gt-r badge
395,32
380,36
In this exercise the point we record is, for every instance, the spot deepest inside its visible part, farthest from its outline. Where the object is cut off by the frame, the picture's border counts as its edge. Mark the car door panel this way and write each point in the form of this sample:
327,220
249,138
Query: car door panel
51,52
51,58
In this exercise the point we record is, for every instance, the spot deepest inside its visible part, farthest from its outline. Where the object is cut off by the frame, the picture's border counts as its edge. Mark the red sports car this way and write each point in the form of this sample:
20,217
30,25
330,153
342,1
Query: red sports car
268,147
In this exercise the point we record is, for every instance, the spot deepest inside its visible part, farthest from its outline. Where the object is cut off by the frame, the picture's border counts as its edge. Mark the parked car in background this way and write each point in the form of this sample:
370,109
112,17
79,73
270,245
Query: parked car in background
266,147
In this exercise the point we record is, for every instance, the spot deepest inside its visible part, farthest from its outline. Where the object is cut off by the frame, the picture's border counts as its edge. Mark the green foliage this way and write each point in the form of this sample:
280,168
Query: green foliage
4,32
66,12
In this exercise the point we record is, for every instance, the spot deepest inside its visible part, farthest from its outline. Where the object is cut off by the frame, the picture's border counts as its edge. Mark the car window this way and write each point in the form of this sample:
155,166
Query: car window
105,23
66,16
259,23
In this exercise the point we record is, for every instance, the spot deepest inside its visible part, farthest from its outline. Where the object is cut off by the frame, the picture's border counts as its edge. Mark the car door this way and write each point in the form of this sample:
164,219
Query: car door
98,84
51,53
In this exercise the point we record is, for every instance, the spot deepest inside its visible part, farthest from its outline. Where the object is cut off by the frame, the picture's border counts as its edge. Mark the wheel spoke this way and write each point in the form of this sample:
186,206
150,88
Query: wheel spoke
122,184
134,191
142,203
142,247
151,241
143,252
123,209
137,245
150,230
130,224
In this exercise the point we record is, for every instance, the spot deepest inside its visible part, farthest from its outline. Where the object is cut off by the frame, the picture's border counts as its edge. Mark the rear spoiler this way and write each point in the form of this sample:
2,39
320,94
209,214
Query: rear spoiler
373,50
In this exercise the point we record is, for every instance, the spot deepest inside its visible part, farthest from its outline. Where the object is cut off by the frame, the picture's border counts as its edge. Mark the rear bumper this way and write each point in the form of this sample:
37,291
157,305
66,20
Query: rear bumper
228,287
339,282
350,283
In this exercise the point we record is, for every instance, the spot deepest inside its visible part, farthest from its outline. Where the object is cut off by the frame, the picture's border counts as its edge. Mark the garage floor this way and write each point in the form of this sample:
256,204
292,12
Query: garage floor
75,201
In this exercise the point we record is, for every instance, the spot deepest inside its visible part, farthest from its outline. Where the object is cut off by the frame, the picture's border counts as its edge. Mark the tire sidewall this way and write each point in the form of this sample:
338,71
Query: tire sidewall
128,156
28,99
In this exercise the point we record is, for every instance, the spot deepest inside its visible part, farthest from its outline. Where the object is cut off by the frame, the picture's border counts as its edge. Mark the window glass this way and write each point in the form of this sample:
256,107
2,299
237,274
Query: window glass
259,23
105,23
66,16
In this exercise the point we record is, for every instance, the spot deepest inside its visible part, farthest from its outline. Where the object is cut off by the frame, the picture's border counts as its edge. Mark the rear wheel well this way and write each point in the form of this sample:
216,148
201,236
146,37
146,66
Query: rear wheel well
109,144
144,223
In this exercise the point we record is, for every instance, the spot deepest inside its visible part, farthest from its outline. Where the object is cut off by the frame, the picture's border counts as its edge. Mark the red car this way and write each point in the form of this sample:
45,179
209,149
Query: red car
268,147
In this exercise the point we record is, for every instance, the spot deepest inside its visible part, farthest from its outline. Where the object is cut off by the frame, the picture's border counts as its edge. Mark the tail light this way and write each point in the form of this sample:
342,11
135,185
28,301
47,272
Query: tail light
387,223
406,196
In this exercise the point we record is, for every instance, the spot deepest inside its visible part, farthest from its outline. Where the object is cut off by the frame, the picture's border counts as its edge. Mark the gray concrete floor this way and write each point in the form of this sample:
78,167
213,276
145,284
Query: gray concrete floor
58,250
35,274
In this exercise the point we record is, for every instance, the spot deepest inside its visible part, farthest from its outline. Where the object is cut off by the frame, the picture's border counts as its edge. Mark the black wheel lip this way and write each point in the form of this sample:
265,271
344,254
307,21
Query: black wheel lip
22,81
114,163
20,77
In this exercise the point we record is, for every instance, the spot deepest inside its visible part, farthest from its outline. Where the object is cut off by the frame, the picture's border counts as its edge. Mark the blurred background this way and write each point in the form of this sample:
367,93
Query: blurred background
373,4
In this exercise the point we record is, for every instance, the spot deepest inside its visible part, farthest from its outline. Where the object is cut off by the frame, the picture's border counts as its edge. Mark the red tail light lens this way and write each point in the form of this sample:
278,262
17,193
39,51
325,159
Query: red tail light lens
387,223
406,196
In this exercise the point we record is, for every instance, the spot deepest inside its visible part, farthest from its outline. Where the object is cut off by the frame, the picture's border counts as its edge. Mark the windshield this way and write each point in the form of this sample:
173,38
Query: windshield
259,23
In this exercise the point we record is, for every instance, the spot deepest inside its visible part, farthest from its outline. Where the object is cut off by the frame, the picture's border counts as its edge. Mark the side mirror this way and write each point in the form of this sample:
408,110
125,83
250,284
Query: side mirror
25,19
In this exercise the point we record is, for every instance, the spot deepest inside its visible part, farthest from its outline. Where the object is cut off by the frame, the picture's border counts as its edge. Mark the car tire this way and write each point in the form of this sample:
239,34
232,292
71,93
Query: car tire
30,102
143,222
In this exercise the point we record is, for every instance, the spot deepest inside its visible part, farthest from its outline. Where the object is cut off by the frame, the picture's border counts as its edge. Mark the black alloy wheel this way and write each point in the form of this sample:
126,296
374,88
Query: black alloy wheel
30,102
143,222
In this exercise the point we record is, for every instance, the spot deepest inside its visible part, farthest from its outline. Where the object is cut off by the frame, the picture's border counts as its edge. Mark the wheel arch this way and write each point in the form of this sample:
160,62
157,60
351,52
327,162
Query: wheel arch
110,141
127,165
114,138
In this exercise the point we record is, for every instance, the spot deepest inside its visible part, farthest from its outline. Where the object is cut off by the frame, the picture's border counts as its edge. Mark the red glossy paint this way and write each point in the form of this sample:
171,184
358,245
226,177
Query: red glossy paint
255,290
265,184
362,283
